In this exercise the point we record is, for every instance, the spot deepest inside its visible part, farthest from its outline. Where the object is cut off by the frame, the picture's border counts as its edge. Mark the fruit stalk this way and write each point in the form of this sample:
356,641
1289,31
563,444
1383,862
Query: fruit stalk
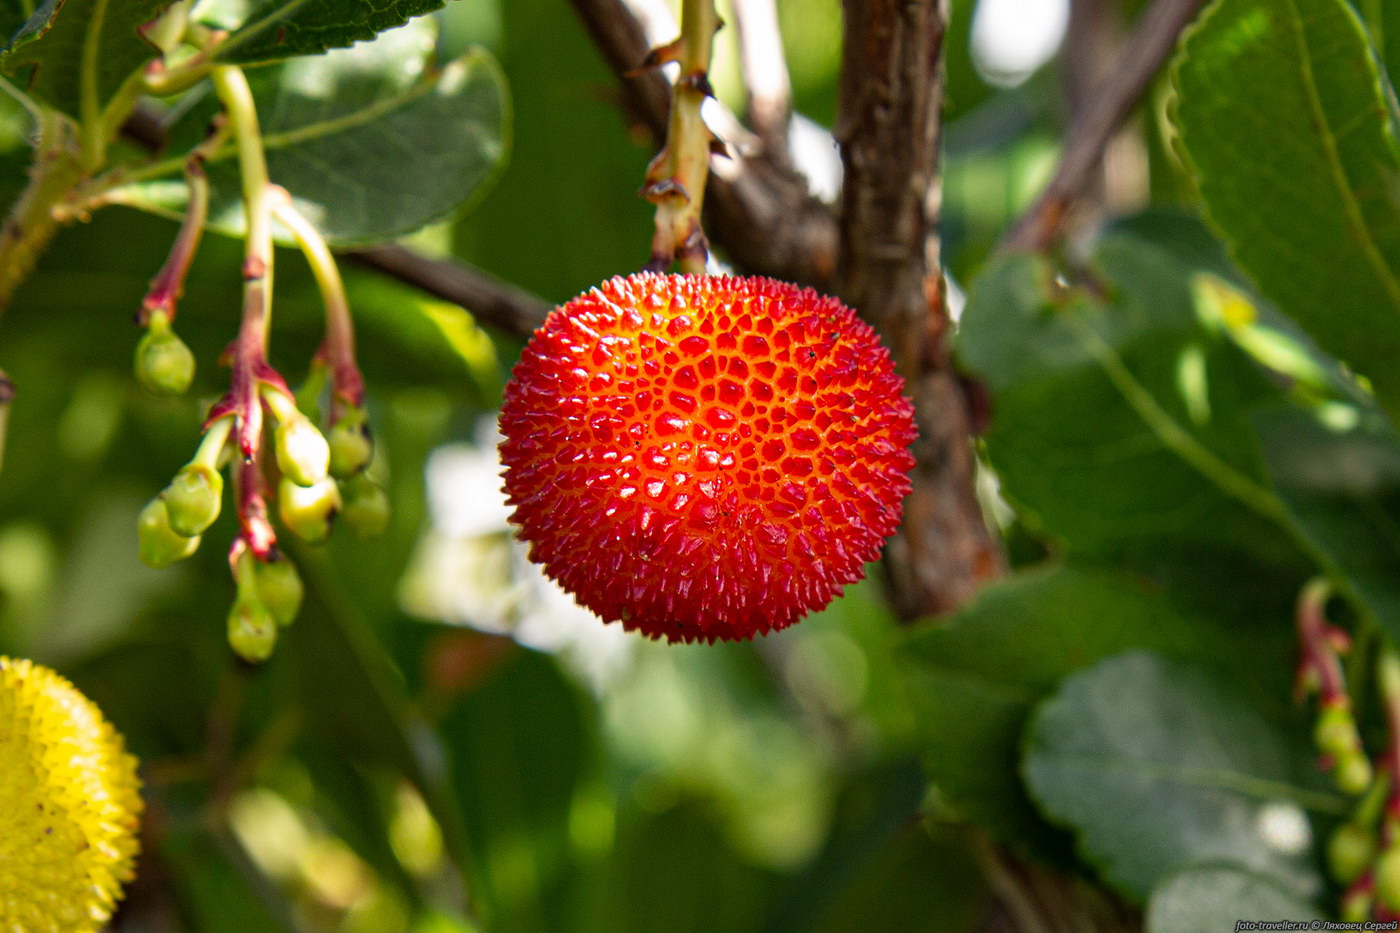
675,180
249,356
1320,669
250,348
338,349
169,282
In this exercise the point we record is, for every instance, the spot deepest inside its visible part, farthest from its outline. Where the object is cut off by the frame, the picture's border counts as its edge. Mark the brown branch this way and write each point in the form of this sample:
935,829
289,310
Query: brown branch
490,300
1093,126
759,212
891,92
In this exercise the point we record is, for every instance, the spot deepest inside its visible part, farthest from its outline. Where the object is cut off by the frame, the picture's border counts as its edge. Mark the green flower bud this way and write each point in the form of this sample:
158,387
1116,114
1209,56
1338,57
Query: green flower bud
351,447
164,365
1350,852
280,588
159,544
252,631
1335,732
1352,773
1388,878
1356,905
302,452
307,510
366,510
193,499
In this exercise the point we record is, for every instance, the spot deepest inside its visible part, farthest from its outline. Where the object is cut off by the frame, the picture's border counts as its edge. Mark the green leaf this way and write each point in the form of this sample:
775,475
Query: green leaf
277,29
1382,20
974,680
1140,748
354,698
674,870
1284,118
1341,484
519,746
372,142
1118,419
1214,896
76,54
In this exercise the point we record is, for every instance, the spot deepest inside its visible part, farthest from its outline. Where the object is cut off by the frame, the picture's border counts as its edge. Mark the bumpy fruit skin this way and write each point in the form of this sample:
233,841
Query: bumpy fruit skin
71,805
704,457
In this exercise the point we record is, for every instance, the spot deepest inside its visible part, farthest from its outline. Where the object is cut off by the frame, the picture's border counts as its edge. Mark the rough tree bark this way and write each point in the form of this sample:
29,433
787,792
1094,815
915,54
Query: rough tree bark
888,128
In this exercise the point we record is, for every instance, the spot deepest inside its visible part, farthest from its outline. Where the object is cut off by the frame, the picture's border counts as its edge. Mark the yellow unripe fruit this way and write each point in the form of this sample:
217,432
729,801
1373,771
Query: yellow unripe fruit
71,805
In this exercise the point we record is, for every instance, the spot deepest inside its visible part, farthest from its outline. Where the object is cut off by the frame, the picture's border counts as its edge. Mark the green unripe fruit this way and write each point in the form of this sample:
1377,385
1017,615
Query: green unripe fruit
1356,905
1388,879
1335,732
307,510
351,447
366,510
280,589
164,365
302,452
1352,773
193,499
252,631
159,545
1350,852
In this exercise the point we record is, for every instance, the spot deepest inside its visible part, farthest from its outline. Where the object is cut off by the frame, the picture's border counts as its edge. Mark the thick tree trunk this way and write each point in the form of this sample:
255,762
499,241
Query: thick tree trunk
888,268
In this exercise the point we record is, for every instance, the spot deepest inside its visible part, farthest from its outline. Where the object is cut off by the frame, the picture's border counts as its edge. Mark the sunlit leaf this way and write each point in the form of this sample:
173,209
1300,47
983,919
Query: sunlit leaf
1284,117
372,142
276,29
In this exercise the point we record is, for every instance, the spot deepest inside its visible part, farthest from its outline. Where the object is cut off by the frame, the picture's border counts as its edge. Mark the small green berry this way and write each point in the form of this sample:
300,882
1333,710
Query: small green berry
307,510
302,452
351,447
1350,852
366,510
1356,905
280,588
193,499
252,631
159,544
1352,773
164,365
1388,878
1335,733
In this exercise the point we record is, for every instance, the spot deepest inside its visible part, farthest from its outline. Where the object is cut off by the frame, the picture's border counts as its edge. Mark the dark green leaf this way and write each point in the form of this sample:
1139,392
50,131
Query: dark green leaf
1141,748
1118,420
975,680
674,871
277,29
76,54
1341,485
355,700
372,142
519,746
1283,116
223,891
1215,896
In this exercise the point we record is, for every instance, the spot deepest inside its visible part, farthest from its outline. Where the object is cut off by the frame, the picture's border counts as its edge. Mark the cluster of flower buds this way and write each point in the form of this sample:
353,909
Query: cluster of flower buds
1320,672
316,479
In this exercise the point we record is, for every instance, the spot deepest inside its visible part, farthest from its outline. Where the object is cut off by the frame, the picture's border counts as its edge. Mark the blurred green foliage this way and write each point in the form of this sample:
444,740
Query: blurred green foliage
442,744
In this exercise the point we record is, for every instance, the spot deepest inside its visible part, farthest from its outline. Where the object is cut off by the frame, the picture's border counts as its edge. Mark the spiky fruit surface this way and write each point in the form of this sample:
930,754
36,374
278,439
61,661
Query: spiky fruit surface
70,805
703,457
